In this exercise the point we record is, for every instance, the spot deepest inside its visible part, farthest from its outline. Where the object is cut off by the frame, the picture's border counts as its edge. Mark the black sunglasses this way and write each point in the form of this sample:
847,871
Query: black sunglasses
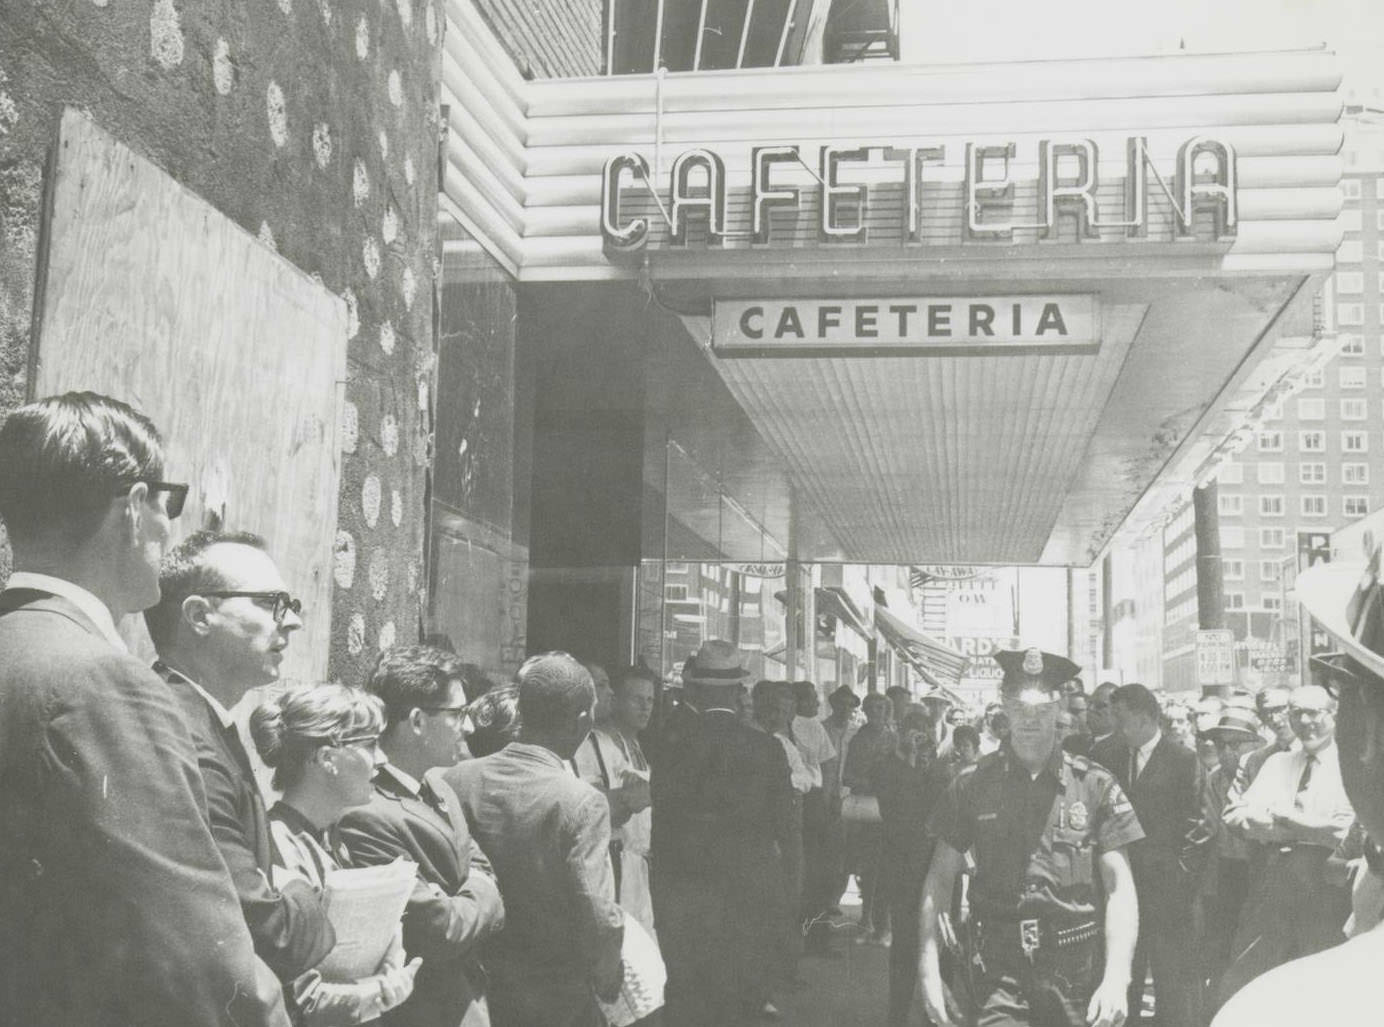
177,494
282,601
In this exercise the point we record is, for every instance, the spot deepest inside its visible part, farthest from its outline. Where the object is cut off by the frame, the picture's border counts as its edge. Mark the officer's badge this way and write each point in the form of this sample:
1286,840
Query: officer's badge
1077,816
1033,663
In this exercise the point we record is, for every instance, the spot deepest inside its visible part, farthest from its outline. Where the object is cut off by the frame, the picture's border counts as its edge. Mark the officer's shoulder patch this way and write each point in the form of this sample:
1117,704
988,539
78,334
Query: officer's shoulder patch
1079,763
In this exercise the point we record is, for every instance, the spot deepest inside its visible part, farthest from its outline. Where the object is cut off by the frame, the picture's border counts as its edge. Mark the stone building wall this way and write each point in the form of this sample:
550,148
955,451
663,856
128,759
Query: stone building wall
314,125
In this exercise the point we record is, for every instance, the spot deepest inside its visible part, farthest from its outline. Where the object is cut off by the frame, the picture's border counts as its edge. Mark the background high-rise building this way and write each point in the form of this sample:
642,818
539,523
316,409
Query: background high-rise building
1313,463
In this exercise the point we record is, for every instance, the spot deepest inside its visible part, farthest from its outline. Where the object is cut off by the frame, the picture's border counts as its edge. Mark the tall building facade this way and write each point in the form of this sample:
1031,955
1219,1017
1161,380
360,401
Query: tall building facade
1313,463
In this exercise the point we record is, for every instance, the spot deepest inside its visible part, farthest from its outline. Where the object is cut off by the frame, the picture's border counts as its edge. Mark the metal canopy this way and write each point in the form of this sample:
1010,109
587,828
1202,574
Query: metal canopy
1015,458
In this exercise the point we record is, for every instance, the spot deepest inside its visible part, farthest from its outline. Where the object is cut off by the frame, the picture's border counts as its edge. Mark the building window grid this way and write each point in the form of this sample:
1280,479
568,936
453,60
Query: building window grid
1354,409
1313,505
1351,314
1312,473
1355,474
1312,441
1231,474
1350,283
1351,376
1311,409
1271,506
1355,441
1271,538
1231,504
1355,506
1269,570
1352,345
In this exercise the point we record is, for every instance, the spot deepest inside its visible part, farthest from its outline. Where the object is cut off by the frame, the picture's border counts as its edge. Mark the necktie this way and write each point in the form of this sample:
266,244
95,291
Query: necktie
1304,780
1133,765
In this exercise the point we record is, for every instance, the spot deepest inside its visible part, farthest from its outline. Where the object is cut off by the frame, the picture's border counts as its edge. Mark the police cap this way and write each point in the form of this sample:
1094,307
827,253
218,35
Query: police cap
1026,669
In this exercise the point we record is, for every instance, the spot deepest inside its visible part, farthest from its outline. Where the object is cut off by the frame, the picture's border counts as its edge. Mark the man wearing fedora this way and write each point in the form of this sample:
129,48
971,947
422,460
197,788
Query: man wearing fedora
722,810
1225,882
1339,985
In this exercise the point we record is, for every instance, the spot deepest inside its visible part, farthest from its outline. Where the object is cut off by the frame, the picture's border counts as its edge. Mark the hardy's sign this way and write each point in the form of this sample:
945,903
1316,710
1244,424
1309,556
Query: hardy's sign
941,325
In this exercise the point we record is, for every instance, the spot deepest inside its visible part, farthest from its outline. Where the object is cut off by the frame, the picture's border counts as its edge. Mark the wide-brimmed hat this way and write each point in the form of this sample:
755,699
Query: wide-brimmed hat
717,662
1347,600
1236,724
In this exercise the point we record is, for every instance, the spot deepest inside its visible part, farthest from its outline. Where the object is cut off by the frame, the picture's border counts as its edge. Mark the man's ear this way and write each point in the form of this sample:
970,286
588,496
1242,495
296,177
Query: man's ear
415,720
196,614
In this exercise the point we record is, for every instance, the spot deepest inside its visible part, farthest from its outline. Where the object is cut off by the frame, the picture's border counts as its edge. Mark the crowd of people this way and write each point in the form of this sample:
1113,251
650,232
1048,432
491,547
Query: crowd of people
1051,854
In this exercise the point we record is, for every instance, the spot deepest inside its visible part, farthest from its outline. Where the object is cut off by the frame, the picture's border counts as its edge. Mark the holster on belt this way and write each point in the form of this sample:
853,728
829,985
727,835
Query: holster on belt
1028,943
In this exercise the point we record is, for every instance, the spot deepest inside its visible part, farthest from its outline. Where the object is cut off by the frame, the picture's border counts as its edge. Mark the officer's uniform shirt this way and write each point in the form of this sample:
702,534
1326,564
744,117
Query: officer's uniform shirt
1035,838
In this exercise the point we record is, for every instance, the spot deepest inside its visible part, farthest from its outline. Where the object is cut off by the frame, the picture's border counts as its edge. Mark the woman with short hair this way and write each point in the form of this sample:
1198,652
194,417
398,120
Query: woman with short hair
321,742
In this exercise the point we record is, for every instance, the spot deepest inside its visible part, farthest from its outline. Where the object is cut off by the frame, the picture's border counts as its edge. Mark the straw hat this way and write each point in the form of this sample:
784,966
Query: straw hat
716,663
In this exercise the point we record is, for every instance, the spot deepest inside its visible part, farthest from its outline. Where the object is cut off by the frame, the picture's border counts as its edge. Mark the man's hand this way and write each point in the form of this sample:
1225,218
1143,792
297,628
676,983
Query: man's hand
636,794
397,985
1109,1004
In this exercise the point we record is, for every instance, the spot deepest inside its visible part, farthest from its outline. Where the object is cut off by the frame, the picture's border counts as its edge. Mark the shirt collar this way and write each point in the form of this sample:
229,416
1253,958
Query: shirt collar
541,753
92,608
410,783
222,714
1146,750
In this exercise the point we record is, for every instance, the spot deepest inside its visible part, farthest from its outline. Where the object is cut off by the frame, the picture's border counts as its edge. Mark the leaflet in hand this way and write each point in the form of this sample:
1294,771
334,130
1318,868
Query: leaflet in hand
365,905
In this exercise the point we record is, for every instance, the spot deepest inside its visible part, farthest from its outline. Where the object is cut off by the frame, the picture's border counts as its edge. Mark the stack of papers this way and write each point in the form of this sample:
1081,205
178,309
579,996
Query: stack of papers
365,905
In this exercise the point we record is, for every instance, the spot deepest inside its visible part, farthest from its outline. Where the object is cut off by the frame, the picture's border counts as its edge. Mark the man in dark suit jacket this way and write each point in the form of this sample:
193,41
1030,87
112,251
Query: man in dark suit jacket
1163,780
722,810
548,835
455,905
115,906
220,629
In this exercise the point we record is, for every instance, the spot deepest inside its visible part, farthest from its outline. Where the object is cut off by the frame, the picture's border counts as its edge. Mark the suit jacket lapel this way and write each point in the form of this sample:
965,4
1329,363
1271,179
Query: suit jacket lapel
420,812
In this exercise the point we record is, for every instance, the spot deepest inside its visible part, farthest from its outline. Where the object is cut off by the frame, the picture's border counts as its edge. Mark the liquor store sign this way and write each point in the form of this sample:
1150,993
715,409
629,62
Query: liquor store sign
899,326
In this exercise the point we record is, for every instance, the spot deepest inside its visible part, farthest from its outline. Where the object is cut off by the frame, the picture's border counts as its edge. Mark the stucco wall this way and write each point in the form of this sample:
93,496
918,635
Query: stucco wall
314,124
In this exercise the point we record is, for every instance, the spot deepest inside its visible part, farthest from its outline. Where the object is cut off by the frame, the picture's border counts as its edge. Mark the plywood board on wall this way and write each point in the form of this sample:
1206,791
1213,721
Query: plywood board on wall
150,295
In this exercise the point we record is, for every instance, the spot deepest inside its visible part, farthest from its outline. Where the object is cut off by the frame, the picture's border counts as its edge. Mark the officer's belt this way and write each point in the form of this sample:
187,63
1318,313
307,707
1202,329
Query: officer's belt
1037,935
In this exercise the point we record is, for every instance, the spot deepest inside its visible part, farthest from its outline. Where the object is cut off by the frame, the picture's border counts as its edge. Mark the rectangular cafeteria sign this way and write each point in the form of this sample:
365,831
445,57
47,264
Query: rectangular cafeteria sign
933,325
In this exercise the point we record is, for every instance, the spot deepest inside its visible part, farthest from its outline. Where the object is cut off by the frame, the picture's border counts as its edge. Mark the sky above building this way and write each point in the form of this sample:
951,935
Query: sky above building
977,30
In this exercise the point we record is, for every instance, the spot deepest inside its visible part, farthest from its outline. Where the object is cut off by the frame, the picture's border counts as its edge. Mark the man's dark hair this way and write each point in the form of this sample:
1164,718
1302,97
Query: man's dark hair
766,691
897,690
494,720
64,458
186,571
1138,699
475,682
409,677
634,672
965,733
802,689
553,689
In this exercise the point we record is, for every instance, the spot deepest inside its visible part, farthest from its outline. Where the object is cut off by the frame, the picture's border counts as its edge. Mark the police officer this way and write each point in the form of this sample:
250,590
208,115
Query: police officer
1039,821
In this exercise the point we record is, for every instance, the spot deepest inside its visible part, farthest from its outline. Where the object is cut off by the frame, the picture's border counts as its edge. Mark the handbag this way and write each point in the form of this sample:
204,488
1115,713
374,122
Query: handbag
860,809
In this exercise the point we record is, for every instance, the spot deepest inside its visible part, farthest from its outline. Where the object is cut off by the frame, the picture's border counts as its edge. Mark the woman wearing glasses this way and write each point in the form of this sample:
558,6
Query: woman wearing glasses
321,742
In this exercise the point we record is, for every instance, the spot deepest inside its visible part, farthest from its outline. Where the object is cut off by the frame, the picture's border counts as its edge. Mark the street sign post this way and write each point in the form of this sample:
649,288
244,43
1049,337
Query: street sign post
1215,657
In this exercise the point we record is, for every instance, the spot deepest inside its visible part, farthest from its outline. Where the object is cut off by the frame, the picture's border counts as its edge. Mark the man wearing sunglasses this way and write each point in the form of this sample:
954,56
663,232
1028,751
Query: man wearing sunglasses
115,903
220,630
1048,943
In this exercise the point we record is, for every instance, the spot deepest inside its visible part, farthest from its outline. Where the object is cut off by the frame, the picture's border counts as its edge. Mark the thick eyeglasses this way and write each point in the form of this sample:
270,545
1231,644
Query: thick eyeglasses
365,741
455,711
281,602
177,494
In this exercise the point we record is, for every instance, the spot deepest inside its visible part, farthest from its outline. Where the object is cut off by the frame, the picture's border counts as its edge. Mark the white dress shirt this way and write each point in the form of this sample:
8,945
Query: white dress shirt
814,745
797,769
1144,752
1276,787
95,611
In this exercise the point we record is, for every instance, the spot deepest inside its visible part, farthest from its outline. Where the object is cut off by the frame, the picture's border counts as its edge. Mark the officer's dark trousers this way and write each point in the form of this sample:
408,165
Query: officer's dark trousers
1292,911
1055,993
905,891
1166,950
